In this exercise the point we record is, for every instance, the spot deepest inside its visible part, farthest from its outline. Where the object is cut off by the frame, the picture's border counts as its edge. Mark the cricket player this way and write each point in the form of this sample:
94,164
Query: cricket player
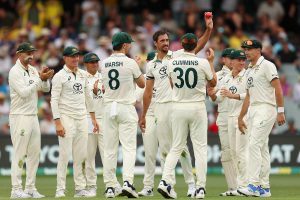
235,91
264,102
24,83
70,102
222,122
149,140
120,77
95,140
189,76
157,74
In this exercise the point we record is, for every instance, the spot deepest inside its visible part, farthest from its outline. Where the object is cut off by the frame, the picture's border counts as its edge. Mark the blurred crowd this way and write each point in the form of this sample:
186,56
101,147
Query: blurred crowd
52,25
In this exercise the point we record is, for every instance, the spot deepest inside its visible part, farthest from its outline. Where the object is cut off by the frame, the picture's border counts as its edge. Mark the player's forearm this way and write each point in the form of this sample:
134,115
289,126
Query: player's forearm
146,103
203,40
245,106
279,95
93,116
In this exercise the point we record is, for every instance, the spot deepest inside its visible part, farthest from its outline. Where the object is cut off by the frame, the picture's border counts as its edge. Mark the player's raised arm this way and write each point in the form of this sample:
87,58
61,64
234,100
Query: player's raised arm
205,37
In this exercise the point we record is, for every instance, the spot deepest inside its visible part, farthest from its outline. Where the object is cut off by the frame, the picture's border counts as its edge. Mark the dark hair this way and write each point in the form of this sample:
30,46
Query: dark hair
159,33
118,47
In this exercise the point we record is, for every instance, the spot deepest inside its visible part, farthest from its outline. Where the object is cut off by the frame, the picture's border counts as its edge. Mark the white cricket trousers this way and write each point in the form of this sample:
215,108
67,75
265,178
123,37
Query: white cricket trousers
74,143
239,150
120,128
150,146
188,118
226,155
95,141
163,113
262,119
26,141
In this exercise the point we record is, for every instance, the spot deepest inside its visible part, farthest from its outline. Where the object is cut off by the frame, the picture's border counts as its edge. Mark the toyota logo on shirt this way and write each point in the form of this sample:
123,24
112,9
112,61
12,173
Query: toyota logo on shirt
77,88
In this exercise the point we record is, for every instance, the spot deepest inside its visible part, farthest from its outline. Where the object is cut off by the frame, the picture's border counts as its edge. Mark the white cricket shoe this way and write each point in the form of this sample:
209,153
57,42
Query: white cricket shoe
200,193
34,194
191,191
110,192
230,193
146,192
250,190
118,191
82,193
264,192
92,191
60,194
129,190
166,190
19,194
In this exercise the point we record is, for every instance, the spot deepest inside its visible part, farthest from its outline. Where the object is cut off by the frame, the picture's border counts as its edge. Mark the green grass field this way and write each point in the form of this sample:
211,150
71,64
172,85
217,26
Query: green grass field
283,187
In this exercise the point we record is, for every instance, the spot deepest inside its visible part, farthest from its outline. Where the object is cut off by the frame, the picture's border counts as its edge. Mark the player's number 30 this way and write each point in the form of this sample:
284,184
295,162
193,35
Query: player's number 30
113,82
186,79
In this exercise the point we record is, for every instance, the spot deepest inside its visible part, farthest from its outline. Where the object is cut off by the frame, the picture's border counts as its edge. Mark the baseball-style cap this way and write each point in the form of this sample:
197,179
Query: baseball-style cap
237,54
150,55
90,57
226,52
252,44
121,38
25,47
189,41
70,51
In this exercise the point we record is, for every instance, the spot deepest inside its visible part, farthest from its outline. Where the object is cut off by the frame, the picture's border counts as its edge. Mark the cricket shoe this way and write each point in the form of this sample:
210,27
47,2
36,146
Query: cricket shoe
19,194
129,190
93,191
110,192
34,194
264,192
60,194
146,192
82,193
200,193
230,193
119,191
250,190
166,190
191,191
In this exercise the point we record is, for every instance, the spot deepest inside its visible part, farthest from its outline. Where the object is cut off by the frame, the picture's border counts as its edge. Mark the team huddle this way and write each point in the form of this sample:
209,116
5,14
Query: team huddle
94,110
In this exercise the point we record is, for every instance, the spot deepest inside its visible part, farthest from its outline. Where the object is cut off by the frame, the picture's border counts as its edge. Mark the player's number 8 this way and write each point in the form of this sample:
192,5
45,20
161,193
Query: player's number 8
113,82
186,79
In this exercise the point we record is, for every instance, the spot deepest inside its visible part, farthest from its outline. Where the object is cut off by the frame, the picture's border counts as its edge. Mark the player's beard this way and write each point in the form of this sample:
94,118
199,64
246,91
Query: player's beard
28,60
165,49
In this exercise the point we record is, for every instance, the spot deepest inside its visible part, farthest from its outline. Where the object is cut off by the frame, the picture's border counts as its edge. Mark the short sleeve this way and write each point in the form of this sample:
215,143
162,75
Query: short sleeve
136,70
270,71
207,70
149,70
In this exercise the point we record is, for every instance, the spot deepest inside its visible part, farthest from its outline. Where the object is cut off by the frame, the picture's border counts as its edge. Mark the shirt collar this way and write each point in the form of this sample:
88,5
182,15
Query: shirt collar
258,62
167,56
70,71
22,66
188,53
225,68
117,54
240,74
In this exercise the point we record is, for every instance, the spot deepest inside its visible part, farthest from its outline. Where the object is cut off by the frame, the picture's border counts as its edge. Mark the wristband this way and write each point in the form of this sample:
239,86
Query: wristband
280,109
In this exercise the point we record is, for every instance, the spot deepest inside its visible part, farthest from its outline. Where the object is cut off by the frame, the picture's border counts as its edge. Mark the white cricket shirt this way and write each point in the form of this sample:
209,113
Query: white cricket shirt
236,85
119,72
259,79
189,75
23,85
70,94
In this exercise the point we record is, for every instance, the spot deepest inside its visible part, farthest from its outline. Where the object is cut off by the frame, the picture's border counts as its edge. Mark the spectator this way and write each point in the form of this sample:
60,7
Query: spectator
3,85
286,55
47,125
272,8
4,111
296,92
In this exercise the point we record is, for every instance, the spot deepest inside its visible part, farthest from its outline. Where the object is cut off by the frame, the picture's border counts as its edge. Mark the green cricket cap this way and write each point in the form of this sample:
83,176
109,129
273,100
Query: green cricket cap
237,54
226,52
70,51
90,57
121,38
252,44
25,47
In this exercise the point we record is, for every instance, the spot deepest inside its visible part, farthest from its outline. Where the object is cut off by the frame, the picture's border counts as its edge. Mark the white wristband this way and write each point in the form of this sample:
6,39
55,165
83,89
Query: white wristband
280,109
